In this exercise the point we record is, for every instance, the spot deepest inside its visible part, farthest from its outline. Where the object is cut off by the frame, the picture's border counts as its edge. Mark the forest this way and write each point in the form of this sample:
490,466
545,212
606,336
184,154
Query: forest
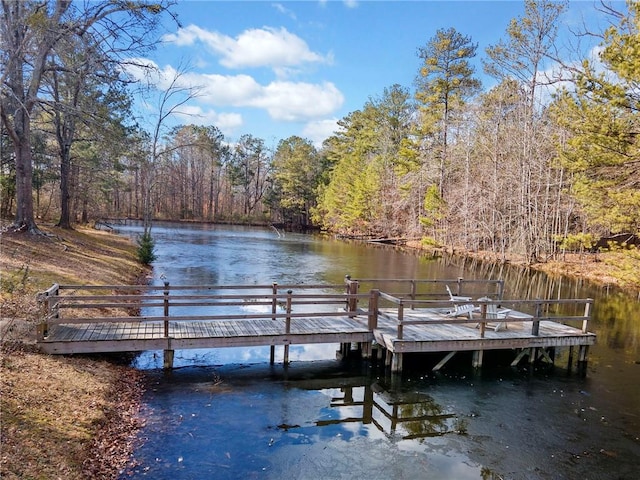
541,163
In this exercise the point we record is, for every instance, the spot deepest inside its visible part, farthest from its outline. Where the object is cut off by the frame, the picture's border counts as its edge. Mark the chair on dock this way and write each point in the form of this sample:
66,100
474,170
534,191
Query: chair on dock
493,313
460,309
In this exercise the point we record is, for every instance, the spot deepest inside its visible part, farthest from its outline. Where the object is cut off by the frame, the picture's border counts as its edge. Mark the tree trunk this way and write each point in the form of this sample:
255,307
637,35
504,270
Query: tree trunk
25,218
65,196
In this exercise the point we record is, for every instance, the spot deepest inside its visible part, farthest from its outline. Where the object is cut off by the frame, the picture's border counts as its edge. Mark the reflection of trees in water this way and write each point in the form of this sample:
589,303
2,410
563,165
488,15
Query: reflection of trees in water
487,474
406,416
414,415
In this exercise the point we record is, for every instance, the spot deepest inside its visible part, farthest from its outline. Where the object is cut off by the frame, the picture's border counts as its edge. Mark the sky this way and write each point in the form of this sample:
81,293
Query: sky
274,69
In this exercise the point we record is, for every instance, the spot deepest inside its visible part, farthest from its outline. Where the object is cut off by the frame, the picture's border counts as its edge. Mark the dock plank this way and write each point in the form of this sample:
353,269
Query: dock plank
429,334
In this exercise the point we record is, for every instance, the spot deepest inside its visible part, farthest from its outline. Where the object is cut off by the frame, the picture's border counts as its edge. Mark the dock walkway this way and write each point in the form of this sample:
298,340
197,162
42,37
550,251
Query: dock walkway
418,319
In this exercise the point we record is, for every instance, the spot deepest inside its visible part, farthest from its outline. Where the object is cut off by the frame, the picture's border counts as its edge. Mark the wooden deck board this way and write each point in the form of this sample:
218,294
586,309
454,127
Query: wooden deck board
148,335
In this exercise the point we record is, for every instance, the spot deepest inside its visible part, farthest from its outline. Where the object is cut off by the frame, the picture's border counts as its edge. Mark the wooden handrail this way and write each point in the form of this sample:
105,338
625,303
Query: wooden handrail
171,300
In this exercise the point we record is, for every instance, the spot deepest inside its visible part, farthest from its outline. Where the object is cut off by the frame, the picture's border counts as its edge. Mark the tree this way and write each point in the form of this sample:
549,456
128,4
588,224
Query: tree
365,192
523,57
445,83
601,114
86,101
169,102
29,32
531,40
347,203
249,171
194,171
297,170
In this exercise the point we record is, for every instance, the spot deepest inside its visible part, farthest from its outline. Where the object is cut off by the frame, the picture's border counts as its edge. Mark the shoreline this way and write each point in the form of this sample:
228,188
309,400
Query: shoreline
71,417
88,407
619,268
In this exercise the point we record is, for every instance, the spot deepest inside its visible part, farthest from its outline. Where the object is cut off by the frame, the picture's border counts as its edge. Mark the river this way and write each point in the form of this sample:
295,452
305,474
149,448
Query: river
228,413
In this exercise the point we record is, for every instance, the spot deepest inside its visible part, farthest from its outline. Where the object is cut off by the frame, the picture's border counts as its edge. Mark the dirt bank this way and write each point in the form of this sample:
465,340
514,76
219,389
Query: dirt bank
66,417
620,268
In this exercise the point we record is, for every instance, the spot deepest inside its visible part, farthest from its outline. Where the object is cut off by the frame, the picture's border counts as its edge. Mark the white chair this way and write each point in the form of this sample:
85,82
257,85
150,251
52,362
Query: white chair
493,313
460,309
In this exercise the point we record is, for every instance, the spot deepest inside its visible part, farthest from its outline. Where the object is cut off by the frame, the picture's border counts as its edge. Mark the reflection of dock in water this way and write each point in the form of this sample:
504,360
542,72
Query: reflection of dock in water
423,317
404,416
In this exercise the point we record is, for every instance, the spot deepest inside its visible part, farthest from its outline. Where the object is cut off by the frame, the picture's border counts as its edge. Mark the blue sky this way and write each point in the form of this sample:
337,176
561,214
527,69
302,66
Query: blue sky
279,68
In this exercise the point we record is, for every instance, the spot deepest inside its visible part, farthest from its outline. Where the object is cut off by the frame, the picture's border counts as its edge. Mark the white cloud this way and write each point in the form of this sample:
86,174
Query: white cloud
347,3
284,10
284,101
259,47
319,130
228,123
298,101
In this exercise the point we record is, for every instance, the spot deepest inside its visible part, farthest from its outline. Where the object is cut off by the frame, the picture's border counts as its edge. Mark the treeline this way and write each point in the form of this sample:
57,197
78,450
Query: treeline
543,161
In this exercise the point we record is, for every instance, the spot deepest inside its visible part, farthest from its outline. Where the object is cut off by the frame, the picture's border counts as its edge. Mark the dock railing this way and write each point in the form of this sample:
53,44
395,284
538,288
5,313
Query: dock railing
418,289
573,312
71,304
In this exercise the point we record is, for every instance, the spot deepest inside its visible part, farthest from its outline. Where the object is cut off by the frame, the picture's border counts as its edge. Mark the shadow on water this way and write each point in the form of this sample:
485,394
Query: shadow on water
330,419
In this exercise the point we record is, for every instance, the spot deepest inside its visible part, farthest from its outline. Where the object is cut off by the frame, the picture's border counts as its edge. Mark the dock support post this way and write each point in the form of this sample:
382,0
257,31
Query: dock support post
286,354
165,294
288,326
477,358
387,358
379,352
274,309
533,355
582,358
396,362
168,359
570,361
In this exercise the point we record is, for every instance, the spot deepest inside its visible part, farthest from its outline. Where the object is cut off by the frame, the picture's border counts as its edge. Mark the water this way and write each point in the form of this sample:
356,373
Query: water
227,413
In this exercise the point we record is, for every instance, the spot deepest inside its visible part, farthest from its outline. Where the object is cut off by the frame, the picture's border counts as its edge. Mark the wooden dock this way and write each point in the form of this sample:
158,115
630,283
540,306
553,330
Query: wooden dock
382,322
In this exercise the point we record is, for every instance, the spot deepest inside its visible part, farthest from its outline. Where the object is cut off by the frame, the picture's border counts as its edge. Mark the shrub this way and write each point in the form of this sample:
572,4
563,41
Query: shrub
146,247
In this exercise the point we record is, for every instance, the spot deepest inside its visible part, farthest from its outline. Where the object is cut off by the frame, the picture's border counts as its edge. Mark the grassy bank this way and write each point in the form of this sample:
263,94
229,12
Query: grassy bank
69,417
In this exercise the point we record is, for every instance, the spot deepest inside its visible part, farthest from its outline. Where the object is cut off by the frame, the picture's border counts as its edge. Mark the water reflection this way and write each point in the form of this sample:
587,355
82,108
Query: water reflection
246,419
151,360
314,420
400,416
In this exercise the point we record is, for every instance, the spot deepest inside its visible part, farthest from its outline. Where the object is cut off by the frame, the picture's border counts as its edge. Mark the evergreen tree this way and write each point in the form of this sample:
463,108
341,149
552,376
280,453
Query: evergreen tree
445,84
297,171
601,114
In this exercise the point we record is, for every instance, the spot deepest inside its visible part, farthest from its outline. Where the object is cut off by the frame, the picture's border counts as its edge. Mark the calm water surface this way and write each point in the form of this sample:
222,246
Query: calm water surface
227,413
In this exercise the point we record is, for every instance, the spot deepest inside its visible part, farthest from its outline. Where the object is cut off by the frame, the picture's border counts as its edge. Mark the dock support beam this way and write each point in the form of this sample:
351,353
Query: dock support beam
396,362
343,353
442,362
477,358
583,355
168,359
570,359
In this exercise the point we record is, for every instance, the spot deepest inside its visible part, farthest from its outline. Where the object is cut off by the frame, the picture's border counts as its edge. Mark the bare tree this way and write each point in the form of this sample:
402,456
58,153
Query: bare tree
30,31
170,100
